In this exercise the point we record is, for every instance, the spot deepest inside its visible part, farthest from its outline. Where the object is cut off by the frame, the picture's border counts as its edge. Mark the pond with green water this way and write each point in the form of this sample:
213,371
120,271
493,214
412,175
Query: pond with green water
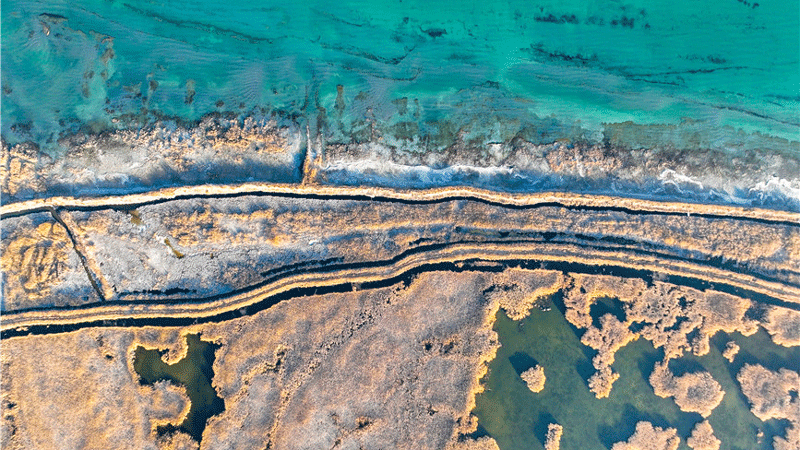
517,418
193,372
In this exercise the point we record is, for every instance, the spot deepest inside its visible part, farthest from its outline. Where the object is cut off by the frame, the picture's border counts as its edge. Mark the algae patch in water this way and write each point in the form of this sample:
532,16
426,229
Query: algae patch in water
194,372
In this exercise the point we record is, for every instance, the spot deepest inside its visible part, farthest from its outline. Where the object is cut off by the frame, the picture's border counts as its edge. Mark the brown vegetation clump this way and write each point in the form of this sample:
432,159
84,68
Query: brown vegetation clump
658,305
610,337
553,439
600,383
731,350
667,324
774,395
517,290
647,437
482,443
703,438
693,392
411,367
534,378
789,442
783,325
37,258
588,288
659,309
720,312
177,441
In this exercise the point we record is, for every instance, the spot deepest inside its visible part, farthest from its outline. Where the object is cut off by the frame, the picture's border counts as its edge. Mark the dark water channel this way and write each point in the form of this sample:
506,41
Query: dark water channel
193,372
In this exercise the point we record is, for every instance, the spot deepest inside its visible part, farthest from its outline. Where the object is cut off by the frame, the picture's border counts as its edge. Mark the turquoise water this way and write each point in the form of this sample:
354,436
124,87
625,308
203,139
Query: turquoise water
548,69
517,418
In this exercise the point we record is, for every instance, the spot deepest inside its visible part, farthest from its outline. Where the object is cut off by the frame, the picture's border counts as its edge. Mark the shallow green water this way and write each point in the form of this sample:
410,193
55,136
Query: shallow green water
194,372
517,418
563,67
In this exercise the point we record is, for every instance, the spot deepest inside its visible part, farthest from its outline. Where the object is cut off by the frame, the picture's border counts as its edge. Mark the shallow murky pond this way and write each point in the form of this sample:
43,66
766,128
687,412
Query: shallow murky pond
194,372
517,418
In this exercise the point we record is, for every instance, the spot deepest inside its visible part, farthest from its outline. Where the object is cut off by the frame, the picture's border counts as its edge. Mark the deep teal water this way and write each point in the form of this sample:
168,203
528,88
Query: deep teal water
564,68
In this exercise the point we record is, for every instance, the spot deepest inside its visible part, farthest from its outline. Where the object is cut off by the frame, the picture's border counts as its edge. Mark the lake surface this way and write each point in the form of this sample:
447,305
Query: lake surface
718,74
517,418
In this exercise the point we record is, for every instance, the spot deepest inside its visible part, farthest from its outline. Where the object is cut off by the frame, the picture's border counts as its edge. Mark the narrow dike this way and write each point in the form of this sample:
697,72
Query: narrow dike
521,201
405,277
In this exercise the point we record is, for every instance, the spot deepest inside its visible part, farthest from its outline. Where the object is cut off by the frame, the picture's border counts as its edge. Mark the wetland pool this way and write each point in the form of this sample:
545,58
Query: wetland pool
517,418
193,372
